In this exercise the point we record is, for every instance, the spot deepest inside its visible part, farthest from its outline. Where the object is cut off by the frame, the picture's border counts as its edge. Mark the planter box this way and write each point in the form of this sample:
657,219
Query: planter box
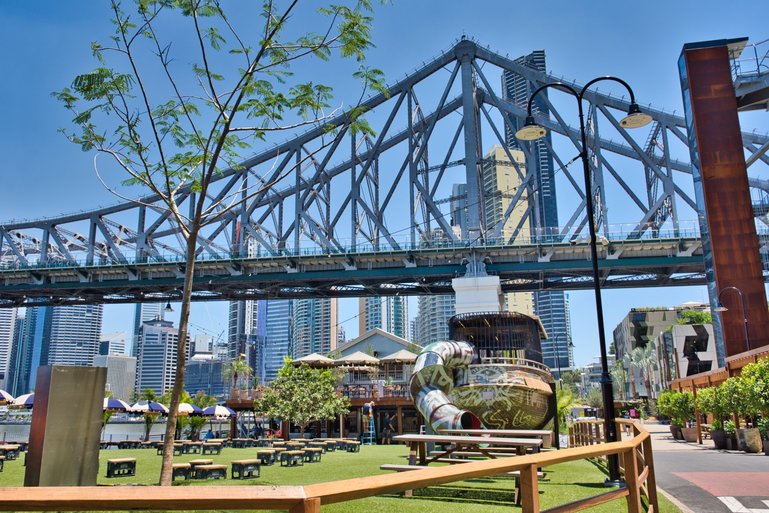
731,443
719,438
749,440
689,434
766,447
676,432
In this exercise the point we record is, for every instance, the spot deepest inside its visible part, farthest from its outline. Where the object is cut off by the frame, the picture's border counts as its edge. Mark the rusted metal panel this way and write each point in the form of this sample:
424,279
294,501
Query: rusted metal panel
736,259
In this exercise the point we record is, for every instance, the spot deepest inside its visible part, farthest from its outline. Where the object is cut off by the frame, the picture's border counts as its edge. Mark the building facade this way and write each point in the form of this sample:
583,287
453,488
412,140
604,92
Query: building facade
144,312
121,374
315,326
432,321
73,334
113,343
551,306
7,338
204,373
388,313
274,335
156,360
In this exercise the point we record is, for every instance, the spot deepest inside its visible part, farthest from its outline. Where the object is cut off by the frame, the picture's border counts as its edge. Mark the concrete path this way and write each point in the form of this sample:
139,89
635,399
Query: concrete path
701,479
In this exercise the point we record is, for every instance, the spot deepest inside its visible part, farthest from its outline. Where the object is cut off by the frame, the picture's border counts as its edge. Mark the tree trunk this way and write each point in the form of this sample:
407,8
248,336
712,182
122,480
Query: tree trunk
166,469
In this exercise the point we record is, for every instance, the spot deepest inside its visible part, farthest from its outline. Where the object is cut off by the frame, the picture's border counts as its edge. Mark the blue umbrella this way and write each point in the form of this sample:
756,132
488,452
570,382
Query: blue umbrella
114,404
189,409
148,407
5,397
24,401
218,411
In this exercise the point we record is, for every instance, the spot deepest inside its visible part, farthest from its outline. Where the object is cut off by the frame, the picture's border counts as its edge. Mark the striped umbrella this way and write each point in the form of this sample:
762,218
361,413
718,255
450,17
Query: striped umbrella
116,405
189,409
148,407
24,401
5,397
218,411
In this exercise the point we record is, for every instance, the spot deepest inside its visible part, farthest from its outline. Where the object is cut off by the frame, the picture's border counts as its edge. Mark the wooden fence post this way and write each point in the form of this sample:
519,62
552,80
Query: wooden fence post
631,481
529,489
651,479
309,505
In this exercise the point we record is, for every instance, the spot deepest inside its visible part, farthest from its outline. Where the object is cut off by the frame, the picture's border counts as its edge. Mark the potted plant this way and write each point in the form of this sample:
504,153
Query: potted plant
684,406
763,429
711,400
665,407
731,435
741,399
756,382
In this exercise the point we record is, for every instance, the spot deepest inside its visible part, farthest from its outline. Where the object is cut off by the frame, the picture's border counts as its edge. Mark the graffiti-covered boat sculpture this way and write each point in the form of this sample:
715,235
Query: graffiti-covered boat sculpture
490,374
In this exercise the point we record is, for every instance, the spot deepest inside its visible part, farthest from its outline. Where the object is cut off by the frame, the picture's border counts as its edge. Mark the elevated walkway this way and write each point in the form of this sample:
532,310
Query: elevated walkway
750,71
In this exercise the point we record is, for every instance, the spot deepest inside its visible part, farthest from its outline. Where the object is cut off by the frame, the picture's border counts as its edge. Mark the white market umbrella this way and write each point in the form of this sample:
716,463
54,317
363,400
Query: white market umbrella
149,407
218,411
116,405
24,401
189,409
5,397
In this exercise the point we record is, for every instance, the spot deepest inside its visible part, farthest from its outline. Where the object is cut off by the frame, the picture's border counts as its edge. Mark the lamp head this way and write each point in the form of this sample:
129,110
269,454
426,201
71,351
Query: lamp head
635,118
531,131
168,307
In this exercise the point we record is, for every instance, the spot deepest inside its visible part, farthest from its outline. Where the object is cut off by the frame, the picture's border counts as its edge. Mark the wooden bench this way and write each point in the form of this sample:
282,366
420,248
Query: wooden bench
353,446
408,493
212,448
266,456
121,467
242,469
211,472
329,446
289,458
181,470
10,451
312,454
2,462
196,463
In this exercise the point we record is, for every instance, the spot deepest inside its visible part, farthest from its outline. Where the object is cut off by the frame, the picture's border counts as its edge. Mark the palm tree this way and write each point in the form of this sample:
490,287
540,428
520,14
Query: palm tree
628,365
236,370
645,359
619,375
149,418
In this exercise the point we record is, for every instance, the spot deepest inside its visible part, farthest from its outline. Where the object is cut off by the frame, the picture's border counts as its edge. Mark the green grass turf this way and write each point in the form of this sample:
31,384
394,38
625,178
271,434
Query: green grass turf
561,484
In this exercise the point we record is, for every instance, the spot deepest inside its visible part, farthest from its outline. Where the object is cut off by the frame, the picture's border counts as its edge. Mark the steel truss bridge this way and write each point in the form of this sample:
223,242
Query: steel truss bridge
343,215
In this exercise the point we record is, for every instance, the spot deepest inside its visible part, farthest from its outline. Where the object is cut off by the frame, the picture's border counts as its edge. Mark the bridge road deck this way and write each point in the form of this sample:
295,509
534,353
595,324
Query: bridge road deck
482,444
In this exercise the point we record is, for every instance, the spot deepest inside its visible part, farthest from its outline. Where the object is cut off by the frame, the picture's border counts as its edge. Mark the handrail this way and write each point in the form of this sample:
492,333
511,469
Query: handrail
639,476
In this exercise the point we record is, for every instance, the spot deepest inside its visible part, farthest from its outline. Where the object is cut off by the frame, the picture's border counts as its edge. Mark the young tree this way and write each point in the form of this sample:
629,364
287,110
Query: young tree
149,418
302,395
174,133
196,422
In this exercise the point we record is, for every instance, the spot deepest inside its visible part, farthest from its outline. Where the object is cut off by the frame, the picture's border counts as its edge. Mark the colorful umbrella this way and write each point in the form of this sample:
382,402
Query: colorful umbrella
218,411
5,397
148,407
24,401
189,409
116,405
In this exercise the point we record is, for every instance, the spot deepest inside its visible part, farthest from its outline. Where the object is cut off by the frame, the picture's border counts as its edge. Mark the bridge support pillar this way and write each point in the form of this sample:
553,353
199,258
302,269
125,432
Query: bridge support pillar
730,243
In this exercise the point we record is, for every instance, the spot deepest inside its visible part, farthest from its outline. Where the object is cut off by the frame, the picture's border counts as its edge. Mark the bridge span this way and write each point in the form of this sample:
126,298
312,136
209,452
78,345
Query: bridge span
424,269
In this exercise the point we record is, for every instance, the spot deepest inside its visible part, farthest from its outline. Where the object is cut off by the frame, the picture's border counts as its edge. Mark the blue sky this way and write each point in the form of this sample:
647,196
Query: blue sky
43,44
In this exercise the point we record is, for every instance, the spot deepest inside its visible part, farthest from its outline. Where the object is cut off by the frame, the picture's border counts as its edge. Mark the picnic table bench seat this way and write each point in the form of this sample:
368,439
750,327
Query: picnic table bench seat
353,446
242,469
181,470
10,451
210,471
266,456
312,454
120,467
212,448
289,458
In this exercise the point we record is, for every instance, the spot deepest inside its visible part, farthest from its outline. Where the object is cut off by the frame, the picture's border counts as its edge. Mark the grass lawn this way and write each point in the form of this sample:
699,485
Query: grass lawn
561,483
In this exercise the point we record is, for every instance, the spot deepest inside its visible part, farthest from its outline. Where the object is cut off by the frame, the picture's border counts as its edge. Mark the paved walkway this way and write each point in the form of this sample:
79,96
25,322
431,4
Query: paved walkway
704,480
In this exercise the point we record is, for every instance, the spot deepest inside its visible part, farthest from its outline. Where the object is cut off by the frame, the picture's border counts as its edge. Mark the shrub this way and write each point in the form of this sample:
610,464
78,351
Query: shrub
679,406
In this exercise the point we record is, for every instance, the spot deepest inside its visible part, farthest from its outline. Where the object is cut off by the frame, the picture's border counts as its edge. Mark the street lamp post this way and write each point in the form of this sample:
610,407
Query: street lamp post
558,356
722,308
531,132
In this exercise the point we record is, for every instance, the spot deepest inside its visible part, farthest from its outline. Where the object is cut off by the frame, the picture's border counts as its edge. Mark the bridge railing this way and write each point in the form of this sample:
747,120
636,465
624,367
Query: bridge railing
636,455
619,237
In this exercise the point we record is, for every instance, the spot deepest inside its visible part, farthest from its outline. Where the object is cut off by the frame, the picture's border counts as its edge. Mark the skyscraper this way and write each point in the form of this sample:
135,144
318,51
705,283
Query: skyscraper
501,182
274,334
73,335
142,313
242,330
315,326
432,321
388,313
551,306
7,336
156,360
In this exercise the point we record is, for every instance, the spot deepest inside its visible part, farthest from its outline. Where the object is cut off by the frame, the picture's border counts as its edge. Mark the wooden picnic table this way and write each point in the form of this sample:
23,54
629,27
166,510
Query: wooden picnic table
481,444
544,434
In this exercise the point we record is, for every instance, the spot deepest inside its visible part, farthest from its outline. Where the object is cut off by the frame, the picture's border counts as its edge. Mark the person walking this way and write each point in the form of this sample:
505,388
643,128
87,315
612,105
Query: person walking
388,429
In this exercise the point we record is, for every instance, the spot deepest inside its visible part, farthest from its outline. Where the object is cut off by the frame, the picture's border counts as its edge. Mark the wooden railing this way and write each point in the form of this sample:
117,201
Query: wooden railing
635,455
